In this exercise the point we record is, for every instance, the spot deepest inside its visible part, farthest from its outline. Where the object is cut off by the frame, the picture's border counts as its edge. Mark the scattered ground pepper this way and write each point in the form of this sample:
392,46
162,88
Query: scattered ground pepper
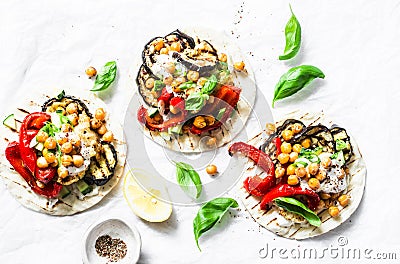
114,249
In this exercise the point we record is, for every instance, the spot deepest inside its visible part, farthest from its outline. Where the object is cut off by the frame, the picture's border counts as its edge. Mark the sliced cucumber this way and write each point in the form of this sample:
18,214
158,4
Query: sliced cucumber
83,187
221,113
39,146
64,192
152,111
176,129
302,162
10,122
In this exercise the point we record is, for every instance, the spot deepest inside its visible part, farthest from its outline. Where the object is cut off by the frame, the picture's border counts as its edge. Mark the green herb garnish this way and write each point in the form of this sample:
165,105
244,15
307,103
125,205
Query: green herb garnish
293,37
209,214
196,101
188,179
106,77
297,207
210,85
158,85
294,80
340,145
61,95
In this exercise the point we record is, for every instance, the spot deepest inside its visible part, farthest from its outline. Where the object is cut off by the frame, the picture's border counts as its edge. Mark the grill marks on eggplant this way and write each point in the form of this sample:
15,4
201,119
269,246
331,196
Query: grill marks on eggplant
148,96
103,166
52,104
320,136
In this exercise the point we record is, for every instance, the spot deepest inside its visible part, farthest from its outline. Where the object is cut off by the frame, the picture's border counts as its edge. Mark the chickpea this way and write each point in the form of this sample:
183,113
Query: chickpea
62,172
300,172
174,110
176,46
77,160
102,130
293,180
321,175
297,148
326,162
54,164
222,57
170,67
41,136
108,136
91,71
159,45
290,170
66,147
180,79
76,142
168,80
286,147
50,157
313,168
270,128
283,158
239,66
211,169
176,89
202,81
42,163
325,196
100,114
164,51
333,211
199,122
210,120
73,118
297,128
66,128
212,141
344,200
313,183
306,143
50,143
287,135
293,156
66,160
279,172
193,76
62,140
72,108
95,123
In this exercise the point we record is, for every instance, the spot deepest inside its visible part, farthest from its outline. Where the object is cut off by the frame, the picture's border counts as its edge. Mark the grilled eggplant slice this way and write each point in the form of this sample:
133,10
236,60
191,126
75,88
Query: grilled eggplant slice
319,135
51,105
148,96
339,133
203,67
102,167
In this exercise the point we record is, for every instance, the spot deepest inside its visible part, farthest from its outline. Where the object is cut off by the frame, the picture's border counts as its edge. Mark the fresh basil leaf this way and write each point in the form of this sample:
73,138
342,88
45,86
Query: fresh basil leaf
294,80
297,207
340,145
311,154
106,77
188,179
339,156
209,214
61,95
50,129
293,37
187,85
221,113
63,119
210,85
196,101
158,85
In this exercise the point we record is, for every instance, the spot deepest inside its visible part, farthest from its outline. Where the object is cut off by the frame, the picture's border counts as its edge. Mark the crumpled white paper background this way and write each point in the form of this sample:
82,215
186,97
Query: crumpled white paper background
355,43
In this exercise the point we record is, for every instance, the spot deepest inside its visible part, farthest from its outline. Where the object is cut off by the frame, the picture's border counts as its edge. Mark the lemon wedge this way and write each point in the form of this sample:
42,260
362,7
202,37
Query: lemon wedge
145,204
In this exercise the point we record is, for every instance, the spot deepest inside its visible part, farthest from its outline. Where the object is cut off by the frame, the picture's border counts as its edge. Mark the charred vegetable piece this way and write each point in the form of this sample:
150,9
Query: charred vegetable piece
193,65
149,96
64,100
102,168
342,138
319,135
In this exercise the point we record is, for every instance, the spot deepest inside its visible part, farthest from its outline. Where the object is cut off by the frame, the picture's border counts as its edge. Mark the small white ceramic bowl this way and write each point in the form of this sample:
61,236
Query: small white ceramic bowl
115,228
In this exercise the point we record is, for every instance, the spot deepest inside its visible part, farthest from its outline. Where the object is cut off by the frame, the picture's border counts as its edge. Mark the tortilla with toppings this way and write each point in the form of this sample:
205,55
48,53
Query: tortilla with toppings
196,96
61,155
305,190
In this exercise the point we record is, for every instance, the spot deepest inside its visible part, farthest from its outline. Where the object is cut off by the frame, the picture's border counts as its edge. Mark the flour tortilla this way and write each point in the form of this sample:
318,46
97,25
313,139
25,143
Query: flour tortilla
246,81
277,224
70,205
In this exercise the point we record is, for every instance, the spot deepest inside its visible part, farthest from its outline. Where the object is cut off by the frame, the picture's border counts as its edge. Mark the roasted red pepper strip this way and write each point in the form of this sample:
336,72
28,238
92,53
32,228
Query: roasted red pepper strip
165,96
29,128
278,143
13,155
286,190
255,185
